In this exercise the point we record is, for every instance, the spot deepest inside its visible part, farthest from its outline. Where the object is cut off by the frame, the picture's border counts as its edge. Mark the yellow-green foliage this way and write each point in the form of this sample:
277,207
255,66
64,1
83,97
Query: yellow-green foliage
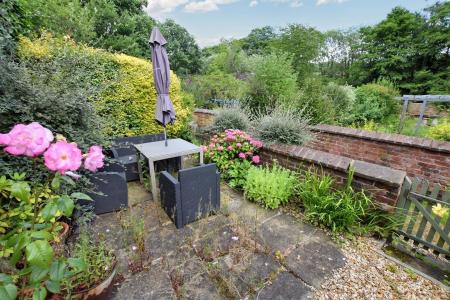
440,132
128,103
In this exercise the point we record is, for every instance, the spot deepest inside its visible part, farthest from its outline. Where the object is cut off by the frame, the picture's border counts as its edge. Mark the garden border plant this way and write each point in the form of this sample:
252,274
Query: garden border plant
30,209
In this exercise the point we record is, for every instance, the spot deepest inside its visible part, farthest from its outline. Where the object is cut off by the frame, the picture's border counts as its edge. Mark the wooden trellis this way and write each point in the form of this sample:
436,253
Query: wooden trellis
424,99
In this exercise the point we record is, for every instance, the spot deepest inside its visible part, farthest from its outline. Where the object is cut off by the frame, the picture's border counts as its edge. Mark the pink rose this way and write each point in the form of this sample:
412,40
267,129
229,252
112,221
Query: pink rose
4,139
256,159
29,140
230,148
62,156
242,155
94,159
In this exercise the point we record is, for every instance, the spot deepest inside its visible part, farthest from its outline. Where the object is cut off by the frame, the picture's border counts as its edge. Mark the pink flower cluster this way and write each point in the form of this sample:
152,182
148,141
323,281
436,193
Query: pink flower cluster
33,140
232,144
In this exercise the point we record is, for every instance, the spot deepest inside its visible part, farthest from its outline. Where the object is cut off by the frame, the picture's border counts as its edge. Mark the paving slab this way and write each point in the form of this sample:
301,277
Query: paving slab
284,232
314,261
285,287
149,285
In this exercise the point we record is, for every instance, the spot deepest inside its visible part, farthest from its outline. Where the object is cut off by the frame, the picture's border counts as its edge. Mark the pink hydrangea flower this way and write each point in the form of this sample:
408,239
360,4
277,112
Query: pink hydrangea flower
220,148
29,140
256,159
256,143
239,145
230,148
63,156
211,146
94,159
204,148
242,155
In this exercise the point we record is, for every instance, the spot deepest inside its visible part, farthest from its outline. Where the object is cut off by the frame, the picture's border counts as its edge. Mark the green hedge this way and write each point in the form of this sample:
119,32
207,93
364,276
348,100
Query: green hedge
127,97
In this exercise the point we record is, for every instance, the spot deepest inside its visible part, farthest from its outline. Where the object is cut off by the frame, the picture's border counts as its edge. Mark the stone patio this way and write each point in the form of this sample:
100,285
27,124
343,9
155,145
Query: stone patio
243,252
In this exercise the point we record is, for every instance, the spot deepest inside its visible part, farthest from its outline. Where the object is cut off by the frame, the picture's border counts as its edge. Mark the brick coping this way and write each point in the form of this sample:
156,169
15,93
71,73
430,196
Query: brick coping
386,175
392,138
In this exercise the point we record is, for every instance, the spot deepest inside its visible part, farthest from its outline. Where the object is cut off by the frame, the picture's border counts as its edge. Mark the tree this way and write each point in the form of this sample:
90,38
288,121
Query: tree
184,53
273,82
231,60
303,44
259,40
339,54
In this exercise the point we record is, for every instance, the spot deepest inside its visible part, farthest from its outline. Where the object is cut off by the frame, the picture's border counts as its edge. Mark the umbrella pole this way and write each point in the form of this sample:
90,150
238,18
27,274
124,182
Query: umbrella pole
165,135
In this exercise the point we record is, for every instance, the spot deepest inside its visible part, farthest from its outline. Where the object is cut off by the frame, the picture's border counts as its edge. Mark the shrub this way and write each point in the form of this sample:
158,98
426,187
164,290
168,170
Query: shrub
217,85
273,82
440,132
342,97
233,152
283,126
271,186
317,105
374,101
126,99
231,118
342,210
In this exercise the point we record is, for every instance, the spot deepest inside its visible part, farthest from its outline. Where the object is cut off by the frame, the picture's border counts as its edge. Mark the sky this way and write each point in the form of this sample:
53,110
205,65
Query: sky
211,20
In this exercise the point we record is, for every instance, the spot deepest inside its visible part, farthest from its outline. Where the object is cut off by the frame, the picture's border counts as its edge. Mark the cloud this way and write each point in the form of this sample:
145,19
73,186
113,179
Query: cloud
159,9
325,2
205,5
292,3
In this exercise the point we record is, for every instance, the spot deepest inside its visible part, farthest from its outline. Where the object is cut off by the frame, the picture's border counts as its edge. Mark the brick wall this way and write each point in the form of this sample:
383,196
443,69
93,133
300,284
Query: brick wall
203,118
418,157
383,183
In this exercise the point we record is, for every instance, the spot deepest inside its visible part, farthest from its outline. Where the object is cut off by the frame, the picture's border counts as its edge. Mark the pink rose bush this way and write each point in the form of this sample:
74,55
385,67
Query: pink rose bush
94,159
29,140
63,156
33,140
233,151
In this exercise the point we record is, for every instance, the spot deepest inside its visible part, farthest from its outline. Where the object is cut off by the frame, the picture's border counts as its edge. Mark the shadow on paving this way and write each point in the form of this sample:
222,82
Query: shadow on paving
243,252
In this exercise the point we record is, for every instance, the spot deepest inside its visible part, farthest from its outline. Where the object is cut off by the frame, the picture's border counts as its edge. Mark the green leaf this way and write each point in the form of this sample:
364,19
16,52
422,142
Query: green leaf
81,196
57,270
77,263
56,182
39,294
41,235
8,291
66,205
49,211
37,274
21,190
5,278
39,253
53,286
68,180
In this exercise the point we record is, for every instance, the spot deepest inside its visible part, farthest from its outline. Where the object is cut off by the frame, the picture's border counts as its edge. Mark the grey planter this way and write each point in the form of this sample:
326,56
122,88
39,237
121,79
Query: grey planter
194,195
110,189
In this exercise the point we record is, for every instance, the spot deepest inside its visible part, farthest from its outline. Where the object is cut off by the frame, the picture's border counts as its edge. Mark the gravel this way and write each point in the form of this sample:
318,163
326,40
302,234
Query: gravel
368,275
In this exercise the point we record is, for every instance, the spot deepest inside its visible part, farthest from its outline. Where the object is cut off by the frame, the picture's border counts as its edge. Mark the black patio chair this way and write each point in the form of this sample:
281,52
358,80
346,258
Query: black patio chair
194,195
110,189
123,151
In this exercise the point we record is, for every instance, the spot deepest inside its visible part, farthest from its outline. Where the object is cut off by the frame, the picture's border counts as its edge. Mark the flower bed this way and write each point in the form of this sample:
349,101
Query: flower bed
233,151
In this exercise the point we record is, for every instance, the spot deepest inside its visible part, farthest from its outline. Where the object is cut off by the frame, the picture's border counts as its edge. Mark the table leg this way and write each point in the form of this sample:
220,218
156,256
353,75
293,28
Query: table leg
151,166
201,157
141,177
181,163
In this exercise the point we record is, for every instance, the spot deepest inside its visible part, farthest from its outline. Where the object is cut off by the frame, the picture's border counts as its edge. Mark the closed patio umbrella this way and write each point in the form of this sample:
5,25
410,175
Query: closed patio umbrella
165,113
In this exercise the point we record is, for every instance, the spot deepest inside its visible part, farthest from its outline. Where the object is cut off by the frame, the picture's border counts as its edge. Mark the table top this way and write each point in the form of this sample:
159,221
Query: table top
175,148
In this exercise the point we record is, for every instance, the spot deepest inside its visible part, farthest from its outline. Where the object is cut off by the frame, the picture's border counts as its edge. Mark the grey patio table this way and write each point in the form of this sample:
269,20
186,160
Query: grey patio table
155,151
